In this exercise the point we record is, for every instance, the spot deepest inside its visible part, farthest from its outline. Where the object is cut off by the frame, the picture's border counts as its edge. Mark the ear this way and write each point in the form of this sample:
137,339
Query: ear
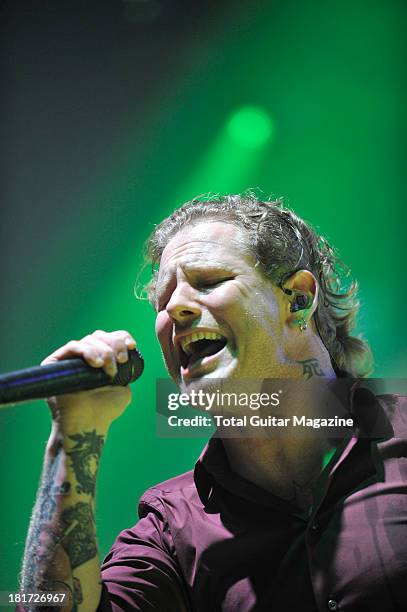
301,283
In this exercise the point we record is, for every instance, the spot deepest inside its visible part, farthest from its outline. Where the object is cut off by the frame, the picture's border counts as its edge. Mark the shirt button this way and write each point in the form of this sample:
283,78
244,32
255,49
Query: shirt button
332,604
314,526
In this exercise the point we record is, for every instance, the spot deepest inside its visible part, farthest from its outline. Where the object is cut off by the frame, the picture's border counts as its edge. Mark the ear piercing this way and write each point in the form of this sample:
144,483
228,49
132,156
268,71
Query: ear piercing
300,302
303,324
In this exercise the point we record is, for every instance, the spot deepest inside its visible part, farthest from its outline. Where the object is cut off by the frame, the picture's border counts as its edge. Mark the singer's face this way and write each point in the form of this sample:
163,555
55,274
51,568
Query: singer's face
217,315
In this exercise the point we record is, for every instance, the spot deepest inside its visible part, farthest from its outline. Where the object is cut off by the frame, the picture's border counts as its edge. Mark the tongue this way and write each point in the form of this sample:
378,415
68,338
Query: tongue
203,348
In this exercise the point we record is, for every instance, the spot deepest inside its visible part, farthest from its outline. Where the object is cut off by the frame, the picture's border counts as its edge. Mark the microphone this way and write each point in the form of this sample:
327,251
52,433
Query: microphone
65,376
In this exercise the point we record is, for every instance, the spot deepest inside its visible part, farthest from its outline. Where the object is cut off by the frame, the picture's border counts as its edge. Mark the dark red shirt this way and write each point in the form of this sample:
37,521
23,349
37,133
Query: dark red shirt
209,540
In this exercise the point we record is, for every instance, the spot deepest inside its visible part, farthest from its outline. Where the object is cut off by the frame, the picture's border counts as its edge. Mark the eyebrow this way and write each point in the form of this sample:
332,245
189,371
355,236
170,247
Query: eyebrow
162,285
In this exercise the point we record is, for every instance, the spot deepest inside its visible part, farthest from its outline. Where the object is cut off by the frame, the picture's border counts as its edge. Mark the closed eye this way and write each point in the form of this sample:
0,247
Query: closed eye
199,284
214,283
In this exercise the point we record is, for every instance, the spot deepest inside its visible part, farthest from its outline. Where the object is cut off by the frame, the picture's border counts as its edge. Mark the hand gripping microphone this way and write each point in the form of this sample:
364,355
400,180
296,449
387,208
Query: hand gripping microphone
65,376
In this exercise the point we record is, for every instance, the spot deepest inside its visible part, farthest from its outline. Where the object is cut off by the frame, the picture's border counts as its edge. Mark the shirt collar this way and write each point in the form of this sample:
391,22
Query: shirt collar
213,466
371,420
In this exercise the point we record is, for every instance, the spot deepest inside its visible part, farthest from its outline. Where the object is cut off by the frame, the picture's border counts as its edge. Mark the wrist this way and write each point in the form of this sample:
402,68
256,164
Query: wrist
88,410
63,430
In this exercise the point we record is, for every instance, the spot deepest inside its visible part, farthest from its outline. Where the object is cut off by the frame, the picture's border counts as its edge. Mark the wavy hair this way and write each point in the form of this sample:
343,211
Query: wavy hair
282,243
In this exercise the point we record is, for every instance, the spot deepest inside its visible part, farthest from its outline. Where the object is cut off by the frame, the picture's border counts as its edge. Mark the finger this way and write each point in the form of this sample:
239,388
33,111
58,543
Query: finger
93,350
76,348
102,350
128,339
120,333
120,341
70,349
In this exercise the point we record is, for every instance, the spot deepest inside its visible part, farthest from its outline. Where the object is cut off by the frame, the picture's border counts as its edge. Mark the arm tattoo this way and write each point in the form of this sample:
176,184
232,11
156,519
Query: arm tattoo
61,587
44,510
78,533
77,588
60,540
85,457
311,367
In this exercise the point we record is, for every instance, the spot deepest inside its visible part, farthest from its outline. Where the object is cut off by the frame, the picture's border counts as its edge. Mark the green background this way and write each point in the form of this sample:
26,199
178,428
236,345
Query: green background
116,112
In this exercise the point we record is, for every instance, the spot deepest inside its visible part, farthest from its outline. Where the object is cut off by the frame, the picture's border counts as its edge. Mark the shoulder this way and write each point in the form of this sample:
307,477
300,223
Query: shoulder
393,400
395,408
153,530
173,490
393,447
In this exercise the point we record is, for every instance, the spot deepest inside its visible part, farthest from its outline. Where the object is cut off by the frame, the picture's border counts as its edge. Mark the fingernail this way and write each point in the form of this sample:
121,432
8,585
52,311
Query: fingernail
98,361
122,357
130,342
112,370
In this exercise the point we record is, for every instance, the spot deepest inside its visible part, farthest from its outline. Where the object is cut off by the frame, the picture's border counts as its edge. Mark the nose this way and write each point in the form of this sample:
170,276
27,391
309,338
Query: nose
182,305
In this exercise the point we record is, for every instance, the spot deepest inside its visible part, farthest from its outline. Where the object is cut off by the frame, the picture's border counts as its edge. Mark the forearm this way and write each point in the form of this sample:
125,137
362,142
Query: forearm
61,551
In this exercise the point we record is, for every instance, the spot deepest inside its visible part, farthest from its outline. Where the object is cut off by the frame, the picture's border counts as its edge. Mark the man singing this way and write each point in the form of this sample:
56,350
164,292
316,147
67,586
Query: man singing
243,289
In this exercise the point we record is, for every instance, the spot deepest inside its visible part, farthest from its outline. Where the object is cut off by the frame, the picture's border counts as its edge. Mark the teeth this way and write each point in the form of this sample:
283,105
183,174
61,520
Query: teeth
187,341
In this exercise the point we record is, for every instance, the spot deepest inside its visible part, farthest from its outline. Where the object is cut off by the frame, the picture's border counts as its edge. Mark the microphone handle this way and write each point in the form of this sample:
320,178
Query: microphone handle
65,376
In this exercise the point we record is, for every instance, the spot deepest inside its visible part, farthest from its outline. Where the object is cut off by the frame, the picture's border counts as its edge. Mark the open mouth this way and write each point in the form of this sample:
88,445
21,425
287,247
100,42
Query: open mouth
198,345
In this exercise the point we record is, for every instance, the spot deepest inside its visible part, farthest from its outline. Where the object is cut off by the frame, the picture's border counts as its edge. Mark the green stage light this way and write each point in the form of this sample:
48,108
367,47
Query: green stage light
250,126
